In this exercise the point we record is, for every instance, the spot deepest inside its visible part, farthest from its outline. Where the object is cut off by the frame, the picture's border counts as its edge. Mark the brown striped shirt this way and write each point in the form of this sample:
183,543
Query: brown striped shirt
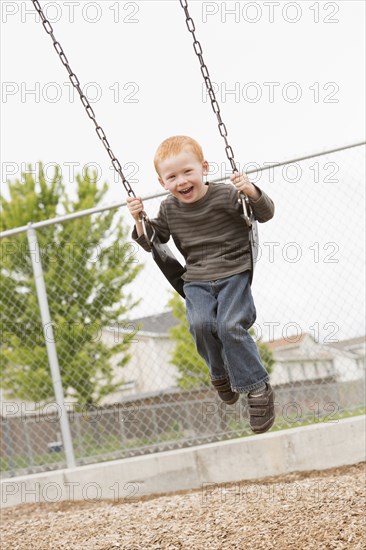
210,233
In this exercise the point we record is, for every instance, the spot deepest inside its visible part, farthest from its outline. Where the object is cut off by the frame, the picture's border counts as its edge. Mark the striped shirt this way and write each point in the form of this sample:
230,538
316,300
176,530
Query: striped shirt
210,233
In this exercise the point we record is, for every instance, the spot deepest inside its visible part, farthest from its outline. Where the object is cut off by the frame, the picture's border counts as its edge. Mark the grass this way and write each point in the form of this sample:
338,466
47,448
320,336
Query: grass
279,424
86,451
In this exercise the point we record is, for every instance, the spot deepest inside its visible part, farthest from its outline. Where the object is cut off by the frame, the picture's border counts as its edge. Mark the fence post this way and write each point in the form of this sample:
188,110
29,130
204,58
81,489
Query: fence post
50,344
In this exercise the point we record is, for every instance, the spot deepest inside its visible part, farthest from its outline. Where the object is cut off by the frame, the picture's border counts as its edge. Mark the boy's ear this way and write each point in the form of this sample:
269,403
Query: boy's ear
205,167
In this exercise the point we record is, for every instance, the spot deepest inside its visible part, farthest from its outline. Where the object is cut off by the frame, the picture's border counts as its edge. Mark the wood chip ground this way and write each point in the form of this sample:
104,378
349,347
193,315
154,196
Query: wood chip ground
316,510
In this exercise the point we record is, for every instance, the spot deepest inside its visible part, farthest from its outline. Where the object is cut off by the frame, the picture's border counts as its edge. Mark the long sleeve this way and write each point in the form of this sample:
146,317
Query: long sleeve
161,227
263,208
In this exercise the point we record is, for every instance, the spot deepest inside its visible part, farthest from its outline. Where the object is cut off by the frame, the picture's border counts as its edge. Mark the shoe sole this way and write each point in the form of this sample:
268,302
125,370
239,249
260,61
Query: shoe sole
264,428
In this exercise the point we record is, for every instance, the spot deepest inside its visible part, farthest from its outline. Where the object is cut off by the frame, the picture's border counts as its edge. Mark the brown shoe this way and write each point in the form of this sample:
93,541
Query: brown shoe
225,392
261,410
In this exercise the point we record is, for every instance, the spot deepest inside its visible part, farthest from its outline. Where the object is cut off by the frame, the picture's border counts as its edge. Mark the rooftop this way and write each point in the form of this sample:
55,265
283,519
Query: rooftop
159,323
284,342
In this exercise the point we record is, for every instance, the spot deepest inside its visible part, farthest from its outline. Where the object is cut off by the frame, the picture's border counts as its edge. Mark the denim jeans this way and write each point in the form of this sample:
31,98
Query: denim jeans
219,314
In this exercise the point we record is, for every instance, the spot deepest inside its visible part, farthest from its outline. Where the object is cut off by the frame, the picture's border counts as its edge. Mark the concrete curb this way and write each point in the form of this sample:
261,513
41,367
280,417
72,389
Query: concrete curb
315,447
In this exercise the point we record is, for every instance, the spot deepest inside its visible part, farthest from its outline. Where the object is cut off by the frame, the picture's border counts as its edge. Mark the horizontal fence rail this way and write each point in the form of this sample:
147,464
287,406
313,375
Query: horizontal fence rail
90,211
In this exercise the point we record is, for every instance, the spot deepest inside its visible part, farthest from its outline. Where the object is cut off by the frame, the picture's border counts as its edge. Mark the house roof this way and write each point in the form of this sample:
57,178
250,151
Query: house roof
350,343
286,342
157,324
324,351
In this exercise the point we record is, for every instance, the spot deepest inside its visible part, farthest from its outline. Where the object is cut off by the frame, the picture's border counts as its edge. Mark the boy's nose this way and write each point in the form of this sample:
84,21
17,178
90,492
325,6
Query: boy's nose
182,180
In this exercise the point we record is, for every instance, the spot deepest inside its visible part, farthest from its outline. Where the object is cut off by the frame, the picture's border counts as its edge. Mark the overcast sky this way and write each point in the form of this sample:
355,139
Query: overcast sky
290,79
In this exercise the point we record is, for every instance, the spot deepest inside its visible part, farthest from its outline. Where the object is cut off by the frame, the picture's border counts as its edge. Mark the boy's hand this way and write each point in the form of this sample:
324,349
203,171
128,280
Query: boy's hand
135,206
242,183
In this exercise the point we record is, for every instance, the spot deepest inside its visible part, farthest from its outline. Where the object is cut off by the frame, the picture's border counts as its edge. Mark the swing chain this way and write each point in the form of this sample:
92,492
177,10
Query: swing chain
247,210
89,110
206,76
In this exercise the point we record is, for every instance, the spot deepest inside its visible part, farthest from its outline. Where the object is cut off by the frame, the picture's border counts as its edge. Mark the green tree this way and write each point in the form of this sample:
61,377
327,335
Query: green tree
87,264
193,371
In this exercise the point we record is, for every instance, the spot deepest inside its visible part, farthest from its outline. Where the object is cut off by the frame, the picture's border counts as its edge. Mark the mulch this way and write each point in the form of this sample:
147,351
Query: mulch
317,510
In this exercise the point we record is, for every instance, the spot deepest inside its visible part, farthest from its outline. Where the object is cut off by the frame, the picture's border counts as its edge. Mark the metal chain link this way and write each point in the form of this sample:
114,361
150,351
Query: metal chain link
242,197
90,112
206,76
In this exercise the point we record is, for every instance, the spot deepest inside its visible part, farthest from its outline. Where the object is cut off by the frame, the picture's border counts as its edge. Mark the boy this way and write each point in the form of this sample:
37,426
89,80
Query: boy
206,225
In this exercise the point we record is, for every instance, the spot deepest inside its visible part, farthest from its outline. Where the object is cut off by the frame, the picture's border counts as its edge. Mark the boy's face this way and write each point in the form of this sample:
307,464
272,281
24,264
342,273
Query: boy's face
182,175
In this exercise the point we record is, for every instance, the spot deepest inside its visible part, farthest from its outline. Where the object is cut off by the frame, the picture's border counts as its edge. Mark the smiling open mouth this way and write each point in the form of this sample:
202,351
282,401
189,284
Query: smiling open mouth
186,191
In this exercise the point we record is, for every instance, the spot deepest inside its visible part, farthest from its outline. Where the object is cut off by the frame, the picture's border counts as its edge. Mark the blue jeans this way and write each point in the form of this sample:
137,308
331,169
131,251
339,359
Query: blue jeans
219,314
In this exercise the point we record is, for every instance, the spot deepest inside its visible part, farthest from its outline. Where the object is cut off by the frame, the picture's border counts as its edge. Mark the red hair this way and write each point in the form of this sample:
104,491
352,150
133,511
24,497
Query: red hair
175,145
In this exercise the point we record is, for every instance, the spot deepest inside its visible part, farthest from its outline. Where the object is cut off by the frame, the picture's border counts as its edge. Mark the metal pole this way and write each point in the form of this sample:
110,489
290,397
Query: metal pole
9,451
50,344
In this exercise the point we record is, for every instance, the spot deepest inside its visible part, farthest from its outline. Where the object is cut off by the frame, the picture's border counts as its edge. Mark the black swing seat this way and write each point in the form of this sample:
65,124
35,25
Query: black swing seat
164,258
173,270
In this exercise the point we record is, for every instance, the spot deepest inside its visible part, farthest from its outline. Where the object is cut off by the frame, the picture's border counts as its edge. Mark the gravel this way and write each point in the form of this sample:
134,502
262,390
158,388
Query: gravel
313,510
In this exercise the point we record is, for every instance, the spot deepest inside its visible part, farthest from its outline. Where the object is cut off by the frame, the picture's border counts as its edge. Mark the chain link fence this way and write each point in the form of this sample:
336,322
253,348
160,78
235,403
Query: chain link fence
97,363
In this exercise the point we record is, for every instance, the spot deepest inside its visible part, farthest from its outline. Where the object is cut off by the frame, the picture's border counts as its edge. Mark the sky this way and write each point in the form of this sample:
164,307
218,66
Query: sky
290,80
